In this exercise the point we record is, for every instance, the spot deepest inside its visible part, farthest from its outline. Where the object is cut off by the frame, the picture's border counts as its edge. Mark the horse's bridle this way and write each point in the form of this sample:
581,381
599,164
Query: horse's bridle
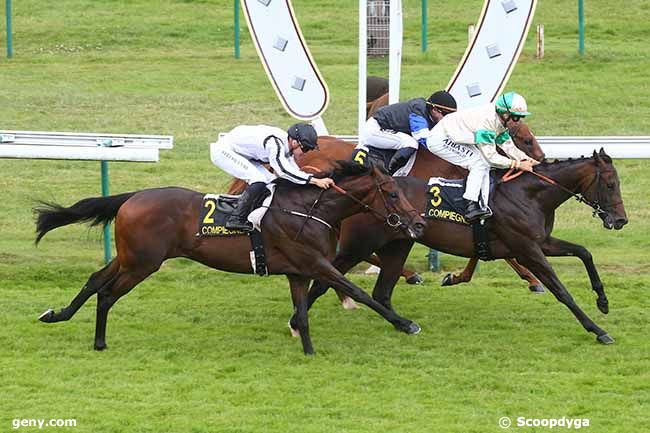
391,218
595,182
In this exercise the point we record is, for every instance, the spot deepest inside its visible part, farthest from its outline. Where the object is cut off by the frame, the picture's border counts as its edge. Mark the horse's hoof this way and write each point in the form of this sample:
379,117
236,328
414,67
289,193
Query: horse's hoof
537,289
415,279
603,306
605,339
100,347
349,304
448,280
413,329
46,316
294,332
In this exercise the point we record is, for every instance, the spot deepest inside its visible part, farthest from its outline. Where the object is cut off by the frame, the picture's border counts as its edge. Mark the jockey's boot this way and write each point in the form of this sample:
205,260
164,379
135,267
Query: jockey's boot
237,219
475,211
400,158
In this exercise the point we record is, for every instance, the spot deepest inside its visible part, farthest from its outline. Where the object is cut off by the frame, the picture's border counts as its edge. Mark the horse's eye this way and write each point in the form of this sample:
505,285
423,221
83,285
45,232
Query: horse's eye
529,142
610,185
393,195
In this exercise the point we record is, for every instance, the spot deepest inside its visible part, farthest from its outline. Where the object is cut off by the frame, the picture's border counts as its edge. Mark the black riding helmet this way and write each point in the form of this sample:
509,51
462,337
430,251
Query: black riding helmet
305,134
443,101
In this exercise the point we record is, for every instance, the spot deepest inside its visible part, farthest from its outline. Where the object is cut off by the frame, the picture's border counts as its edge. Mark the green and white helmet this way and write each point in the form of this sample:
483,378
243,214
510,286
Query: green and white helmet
512,103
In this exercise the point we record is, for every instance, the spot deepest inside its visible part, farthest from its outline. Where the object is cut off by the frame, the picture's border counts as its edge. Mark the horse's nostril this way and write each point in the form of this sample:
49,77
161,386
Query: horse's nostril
621,222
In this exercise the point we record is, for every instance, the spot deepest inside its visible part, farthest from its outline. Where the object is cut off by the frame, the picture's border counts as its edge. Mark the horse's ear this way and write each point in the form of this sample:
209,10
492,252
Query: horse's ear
595,156
605,157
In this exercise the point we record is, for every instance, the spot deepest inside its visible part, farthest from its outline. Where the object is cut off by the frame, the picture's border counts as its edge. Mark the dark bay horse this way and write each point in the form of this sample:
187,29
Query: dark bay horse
426,165
524,213
154,225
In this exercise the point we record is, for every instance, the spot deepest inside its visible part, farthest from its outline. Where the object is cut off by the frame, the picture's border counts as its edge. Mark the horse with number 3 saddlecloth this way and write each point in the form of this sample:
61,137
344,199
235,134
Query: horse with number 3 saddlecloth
426,165
524,214
154,225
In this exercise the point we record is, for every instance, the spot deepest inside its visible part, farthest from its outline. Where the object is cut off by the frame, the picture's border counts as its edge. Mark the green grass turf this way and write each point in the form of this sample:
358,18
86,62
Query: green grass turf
195,350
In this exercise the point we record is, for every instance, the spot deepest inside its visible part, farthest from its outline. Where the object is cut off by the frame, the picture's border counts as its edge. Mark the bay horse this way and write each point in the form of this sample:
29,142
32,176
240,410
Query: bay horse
154,225
524,214
426,165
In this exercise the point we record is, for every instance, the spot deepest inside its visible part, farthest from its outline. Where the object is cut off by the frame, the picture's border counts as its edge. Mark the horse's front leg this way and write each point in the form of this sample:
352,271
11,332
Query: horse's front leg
299,321
410,276
393,256
325,271
555,247
533,258
533,283
343,262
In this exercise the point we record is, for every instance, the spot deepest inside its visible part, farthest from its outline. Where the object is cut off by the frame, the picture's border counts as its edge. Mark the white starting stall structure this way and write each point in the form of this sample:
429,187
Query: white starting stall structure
85,146
481,74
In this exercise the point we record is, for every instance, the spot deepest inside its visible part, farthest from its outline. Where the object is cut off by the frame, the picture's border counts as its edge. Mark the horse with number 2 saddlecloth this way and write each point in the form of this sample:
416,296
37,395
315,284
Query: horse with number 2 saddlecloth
154,225
524,214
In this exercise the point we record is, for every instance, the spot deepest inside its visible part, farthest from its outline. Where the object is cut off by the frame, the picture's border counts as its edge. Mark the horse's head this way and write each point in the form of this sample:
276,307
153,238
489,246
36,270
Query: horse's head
525,141
378,192
603,188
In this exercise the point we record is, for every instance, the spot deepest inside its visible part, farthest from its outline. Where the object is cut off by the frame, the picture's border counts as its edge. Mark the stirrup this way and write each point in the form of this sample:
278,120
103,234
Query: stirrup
239,225
478,213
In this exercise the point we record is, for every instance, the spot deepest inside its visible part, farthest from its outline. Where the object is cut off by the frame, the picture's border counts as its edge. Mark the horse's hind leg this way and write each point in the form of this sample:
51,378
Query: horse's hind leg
533,283
299,321
124,281
464,277
95,283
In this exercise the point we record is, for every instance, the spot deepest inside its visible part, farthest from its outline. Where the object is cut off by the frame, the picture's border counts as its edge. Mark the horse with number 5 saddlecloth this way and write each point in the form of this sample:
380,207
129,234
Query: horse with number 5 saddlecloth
524,214
154,225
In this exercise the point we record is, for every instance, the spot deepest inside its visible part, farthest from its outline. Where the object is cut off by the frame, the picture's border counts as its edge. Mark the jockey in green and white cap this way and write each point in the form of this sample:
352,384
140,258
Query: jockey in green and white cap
512,103
469,138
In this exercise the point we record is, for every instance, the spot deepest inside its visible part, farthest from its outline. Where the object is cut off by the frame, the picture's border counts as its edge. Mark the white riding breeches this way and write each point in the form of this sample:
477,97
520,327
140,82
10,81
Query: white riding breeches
224,157
466,156
372,135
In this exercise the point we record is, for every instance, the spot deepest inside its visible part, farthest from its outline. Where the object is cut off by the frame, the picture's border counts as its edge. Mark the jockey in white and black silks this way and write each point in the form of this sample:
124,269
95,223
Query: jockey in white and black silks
405,125
243,151
468,138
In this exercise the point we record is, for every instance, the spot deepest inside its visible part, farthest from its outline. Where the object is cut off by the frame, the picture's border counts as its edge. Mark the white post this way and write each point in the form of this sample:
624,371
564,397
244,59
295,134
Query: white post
470,32
363,41
395,51
540,41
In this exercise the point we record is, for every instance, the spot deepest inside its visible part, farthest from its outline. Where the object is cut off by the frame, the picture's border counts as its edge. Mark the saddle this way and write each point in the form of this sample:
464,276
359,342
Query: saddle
215,209
382,157
445,202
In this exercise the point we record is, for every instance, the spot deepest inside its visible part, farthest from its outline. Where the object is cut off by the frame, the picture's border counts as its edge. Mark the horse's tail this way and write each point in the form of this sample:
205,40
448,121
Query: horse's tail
96,210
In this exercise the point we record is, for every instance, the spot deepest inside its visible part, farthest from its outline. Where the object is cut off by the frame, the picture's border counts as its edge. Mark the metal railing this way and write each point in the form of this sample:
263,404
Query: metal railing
562,147
85,146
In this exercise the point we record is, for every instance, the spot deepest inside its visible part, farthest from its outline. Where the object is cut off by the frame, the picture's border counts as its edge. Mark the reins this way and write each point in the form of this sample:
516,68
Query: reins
595,205
392,219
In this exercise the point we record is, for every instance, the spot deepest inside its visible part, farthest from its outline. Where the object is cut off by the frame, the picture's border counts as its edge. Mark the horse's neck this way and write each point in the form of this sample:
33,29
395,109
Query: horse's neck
573,175
332,206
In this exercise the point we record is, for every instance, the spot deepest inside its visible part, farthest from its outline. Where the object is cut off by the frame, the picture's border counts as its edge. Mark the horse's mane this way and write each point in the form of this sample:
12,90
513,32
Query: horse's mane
343,168
558,163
